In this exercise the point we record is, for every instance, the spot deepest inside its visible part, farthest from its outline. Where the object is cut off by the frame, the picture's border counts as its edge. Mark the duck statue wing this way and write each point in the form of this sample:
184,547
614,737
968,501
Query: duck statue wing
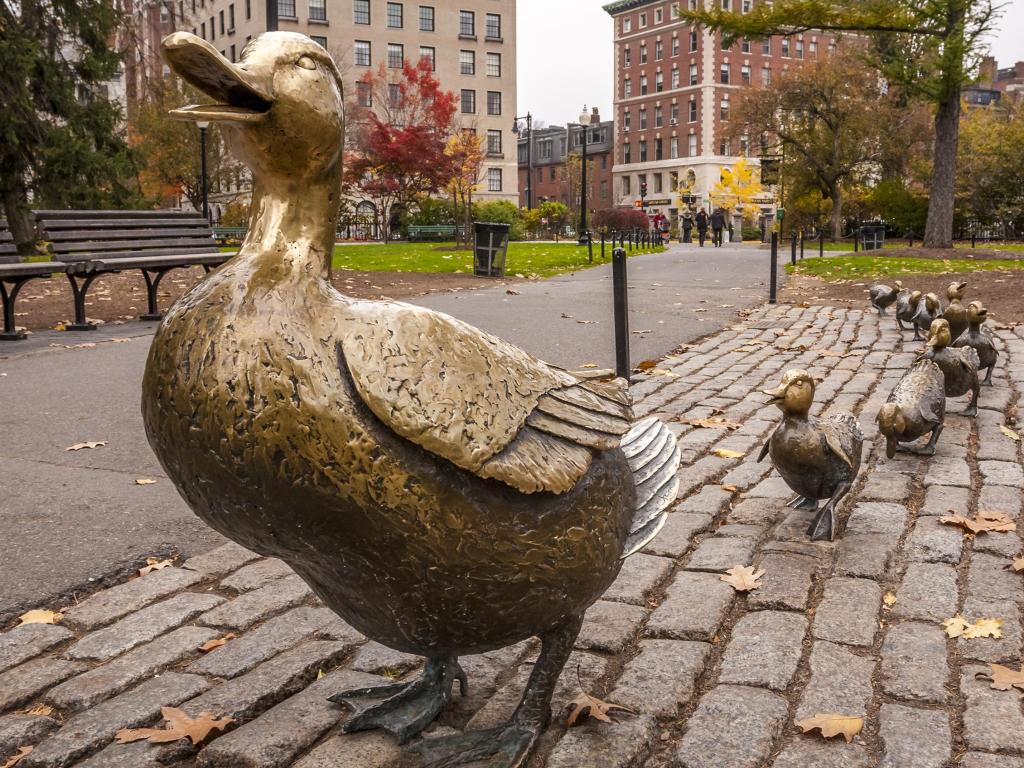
844,437
969,359
481,403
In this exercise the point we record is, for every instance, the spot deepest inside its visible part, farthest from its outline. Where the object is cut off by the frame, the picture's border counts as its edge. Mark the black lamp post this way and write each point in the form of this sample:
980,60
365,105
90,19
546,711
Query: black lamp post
586,120
529,153
204,182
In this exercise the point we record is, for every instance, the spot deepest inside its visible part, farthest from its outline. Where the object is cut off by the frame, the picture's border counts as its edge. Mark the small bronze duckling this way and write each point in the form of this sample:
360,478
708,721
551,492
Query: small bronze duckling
979,338
956,313
818,458
959,365
929,310
883,296
907,304
916,406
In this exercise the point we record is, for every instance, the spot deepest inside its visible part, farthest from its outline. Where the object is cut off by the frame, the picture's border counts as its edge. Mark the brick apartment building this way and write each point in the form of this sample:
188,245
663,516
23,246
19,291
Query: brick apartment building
675,85
471,44
996,84
551,176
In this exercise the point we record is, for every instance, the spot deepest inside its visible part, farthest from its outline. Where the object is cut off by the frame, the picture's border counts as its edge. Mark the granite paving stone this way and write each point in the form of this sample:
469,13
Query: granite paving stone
374,658
693,609
371,749
719,553
1001,498
677,534
988,579
111,604
26,681
940,499
26,641
805,751
221,560
1002,473
982,760
640,575
621,744
877,517
661,677
840,682
710,500
1005,649
914,663
934,542
848,612
758,512
609,626
992,720
252,607
256,575
734,726
764,650
886,485
945,470
21,730
866,555
914,738
786,583
928,592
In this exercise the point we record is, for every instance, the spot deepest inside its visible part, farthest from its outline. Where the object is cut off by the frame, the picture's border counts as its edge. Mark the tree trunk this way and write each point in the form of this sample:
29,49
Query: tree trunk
19,218
837,213
938,232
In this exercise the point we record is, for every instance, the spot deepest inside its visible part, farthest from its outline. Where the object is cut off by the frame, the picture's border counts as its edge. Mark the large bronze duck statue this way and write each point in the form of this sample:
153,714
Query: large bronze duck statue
441,490
928,311
979,338
956,313
818,458
883,296
907,304
959,365
915,408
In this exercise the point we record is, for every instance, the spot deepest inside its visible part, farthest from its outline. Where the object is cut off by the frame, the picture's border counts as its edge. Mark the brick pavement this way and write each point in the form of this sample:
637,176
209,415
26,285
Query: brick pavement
717,678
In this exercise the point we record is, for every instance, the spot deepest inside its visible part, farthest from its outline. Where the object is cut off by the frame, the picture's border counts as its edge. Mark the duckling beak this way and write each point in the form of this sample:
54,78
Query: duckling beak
933,339
239,96
777,395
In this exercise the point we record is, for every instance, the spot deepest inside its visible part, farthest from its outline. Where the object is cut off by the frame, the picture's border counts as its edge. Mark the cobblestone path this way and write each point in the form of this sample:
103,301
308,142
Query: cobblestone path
717,677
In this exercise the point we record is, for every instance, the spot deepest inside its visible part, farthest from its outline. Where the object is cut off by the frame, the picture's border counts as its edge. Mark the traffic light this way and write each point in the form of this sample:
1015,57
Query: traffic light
643,189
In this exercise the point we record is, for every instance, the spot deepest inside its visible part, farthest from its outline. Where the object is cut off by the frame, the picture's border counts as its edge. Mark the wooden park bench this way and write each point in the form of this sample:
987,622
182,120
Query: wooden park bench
224,235
13,275
93,243
432,232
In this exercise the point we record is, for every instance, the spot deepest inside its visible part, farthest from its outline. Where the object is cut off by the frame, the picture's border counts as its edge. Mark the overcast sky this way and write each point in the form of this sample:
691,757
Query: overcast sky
565,55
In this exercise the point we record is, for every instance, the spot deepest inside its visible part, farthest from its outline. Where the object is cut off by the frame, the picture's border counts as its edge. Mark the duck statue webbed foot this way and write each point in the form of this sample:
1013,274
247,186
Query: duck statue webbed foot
802,502
406,708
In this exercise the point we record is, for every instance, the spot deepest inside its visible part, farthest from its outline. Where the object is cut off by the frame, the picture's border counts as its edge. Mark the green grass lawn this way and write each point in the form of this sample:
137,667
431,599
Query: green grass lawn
861,267
524,258
812,245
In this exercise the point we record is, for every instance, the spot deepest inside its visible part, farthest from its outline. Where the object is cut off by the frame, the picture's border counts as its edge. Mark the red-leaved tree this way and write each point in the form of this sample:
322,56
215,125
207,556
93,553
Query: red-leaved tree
398,129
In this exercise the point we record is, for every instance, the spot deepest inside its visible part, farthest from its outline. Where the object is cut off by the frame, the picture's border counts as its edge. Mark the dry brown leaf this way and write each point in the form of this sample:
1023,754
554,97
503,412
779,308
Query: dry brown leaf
217,642
179,726
984,628
87,444
742,578
155,564
725,453
1017,565
889,598
983,522
646,365
1003,678
40,616
43,710
714,423
730,488
585,705
833,724
15,759
1009,432
145,481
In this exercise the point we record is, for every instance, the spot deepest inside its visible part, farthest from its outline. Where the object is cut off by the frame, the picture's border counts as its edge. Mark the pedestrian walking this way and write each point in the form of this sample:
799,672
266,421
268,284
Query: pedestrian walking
702,226
687,226
717,225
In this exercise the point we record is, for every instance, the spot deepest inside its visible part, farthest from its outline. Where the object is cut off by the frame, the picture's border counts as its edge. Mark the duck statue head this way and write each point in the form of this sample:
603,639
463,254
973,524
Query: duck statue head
795,395
939,336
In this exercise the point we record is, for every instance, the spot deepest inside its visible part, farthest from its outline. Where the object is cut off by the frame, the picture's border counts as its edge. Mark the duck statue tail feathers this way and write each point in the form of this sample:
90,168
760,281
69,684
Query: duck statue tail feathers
653,456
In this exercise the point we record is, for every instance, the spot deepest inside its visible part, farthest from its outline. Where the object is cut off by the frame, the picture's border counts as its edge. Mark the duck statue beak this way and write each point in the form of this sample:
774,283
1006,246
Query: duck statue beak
933,339
239,95
777,395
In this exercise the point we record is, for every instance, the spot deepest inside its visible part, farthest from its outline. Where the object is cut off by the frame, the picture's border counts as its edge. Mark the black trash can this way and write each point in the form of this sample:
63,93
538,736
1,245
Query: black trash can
490,244
872,236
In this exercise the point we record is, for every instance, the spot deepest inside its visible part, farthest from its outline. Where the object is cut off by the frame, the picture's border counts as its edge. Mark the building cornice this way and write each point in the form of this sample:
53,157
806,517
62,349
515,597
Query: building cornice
625,5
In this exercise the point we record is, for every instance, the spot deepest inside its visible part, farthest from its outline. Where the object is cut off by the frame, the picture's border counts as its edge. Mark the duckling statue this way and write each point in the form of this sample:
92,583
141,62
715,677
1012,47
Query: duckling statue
818,458
916,407
929,310
979,338
956,313
907,304
441,490
959,365
883,296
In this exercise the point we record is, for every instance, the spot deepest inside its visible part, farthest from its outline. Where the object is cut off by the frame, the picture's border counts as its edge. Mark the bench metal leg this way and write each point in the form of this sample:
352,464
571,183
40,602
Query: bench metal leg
8,295
153,278
79,289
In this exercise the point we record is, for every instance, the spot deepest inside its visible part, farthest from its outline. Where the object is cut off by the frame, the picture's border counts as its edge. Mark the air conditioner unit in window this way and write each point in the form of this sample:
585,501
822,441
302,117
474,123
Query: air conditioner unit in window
672,121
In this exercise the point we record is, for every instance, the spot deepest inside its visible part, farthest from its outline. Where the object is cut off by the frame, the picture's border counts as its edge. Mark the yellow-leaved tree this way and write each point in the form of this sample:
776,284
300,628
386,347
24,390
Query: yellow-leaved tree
738,189
465,152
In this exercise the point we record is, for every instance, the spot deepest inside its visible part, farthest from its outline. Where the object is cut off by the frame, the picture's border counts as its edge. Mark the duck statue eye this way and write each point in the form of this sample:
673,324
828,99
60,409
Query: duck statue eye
305,62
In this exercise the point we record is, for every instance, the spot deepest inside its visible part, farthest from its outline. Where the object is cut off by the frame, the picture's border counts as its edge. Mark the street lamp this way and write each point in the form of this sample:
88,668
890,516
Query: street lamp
203,125
587,119
529,153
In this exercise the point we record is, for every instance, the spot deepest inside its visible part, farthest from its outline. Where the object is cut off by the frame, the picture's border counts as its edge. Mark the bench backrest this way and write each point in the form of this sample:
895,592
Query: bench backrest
83,235
8,249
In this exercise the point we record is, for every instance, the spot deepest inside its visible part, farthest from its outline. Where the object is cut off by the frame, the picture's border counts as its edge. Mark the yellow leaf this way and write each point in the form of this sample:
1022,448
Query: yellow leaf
43,710
742,578
319,674
730,488
145,481
714,423
1018,564
87,444
832,724
725,453
15,759
955,626
984,628
40,616
589,365
1009,433
155,564
889,599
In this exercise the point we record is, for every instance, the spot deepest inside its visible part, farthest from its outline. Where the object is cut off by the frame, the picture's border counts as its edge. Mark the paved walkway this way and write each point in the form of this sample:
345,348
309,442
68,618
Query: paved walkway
58,394
717,678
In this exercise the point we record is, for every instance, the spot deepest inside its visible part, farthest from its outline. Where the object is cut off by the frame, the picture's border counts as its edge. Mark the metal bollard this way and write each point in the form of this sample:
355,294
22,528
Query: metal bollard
773,278
801,245
621,301
974,238
602,246
821,244
792,252
590,247
856,240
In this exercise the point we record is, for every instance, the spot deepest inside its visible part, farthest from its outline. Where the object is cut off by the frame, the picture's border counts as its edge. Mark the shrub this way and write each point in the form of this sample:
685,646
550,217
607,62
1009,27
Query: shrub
609,220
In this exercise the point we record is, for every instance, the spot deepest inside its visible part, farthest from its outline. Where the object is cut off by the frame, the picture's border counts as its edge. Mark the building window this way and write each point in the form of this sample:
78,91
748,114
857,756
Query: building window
643,85
468,101
643,150
799,49
233,49
643,20
658,155
318,39
362,11
746,6
813,48
673,149
675,78
692,146
231,16
745,45
626,186
643,53
467,63
395,14
643,119
202,30
744,145
693,74
723,74
724,45
766,76
627,119
658,15
396,55
494,65
785,47
394,93
248,9
494,102
426,18
362,50
723,148
627,57
467,23
627,153
657,117
727,5
317,11
692,115
493,29
723,110
627,25
745,74
364,94
429,53
675,113
659,82
693,42
604,189
494,179
213,26
658,51
675,46
766,46
627,88
285,9
493,142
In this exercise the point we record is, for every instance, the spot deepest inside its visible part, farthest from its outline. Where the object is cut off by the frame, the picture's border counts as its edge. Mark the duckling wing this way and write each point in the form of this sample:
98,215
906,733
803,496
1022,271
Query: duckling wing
477,401
844,437
653,456
969,359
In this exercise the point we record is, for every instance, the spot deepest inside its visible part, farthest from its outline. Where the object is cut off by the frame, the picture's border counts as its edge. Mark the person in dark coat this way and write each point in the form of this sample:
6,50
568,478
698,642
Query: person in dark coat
687,226
717,225
702,226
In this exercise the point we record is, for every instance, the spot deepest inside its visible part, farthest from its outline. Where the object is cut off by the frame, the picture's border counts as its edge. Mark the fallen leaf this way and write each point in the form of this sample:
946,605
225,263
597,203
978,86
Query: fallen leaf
145,481
725,453
15,759
832,724
42,710
589,365
511,292
1009,432
1003,678
88,444
831,353
40,616
730,488
217,642
714,423
662,372
742,578
983,522
179,726
889,599
984,628
646,365
955,626
1017,565
585,705
155,564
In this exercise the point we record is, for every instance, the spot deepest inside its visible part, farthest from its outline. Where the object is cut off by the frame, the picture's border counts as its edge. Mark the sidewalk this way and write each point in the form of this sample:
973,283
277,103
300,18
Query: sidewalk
717,677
